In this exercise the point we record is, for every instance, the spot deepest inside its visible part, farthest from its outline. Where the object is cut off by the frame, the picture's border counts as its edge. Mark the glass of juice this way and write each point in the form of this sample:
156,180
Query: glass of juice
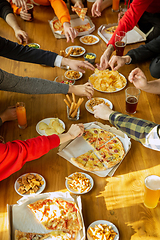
21,115
115,5
132,96
89,6
120,42
151,191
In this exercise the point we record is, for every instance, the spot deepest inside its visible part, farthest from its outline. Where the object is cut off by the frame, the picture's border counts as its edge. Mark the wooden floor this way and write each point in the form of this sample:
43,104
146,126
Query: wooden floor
118,199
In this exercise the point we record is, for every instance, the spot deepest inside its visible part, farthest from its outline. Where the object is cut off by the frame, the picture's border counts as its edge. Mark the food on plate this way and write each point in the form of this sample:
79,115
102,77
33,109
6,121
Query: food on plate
97,136
102,231
107,81
96,101
88,161
62,53
54,127
78,182
81,12
29,183
58,214
19,235
77,51
111,30
73,106
72,74
57,26
89,56
88,39
68,82
69,52
34,45
111,153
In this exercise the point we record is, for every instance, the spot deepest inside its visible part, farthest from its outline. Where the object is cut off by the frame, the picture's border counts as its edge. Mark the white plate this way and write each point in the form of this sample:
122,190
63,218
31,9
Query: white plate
90,179
103,222
106,101
81,74
16,186
47,121
84,50
117,89
81,39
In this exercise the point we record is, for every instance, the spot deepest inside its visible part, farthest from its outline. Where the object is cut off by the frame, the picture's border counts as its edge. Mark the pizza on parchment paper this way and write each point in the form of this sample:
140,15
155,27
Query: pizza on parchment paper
111,30
58,214
81,12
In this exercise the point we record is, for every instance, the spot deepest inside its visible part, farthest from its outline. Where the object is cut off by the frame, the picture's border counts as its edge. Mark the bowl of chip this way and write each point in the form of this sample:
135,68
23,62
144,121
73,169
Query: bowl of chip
33,45
90,57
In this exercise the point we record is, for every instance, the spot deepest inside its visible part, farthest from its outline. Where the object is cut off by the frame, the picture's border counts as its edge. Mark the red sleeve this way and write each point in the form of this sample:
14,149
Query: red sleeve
131,17
13,155
61,10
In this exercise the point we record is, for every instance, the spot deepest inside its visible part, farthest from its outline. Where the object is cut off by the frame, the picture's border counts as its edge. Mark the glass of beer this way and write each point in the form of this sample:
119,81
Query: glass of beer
115,5
89,6
132,96
151,191
21,115
120,42
30,10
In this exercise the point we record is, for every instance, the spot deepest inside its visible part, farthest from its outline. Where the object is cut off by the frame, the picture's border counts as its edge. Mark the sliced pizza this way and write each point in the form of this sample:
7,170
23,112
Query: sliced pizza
83,28
88,161
58,214
111,30
19,235
111,153
81,12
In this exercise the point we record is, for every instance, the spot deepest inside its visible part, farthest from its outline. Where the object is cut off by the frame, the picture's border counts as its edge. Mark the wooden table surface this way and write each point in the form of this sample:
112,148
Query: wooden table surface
118,199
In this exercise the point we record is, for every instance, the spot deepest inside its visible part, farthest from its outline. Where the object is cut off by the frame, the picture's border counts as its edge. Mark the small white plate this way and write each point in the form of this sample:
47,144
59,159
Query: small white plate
117,89
90,179
47,121
106,101
78,55
103,222
97,39
81,74
16,186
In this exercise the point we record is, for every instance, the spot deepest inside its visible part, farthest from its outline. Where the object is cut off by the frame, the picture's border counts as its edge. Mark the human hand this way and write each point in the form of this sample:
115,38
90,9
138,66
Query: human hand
77,65
96,8
102,111
25,15
69,32
82,90
117,61
104,61
138,78
21,35
79,4
20,3
76,130
9,114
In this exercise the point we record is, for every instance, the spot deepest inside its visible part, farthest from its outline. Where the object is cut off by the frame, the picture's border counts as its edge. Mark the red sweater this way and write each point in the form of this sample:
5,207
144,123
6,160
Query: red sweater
13,155
134,13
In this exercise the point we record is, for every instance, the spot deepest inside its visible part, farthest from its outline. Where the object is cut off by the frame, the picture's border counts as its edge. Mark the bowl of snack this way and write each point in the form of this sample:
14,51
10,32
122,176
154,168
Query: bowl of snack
73,75
76,51
63,80
30,183
33,45
49,126
90,57
102,229
79,183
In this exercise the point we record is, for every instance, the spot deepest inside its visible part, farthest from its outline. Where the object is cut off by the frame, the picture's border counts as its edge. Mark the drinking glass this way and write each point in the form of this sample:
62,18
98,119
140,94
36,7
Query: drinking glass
89,6
115,5
120,42
151,191
132,97
30,10
21,115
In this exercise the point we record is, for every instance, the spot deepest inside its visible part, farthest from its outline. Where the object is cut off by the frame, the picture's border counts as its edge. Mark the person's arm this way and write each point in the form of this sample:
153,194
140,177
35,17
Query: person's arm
99,6
77,3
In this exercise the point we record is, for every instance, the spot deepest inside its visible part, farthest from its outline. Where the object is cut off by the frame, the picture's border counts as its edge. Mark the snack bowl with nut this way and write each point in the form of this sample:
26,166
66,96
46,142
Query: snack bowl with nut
90,57
73,75
30,183
63,80
79,183
102,229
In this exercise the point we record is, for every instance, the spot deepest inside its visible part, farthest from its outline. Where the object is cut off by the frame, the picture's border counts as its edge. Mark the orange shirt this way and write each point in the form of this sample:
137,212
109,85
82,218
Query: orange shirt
59,7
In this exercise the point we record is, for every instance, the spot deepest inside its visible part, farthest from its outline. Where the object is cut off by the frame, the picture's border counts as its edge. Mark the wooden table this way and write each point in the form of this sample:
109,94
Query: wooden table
118,199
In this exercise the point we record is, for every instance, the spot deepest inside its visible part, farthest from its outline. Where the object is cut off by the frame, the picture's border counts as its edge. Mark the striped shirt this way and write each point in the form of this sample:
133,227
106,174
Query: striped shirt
143,131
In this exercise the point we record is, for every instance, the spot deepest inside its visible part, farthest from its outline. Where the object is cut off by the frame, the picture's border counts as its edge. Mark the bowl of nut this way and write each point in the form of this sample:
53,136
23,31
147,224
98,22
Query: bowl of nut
90,57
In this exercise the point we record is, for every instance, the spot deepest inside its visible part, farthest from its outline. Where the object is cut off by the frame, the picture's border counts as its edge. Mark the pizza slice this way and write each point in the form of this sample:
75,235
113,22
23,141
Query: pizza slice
111,30
81,12
111,153
83,28
88,161
19,235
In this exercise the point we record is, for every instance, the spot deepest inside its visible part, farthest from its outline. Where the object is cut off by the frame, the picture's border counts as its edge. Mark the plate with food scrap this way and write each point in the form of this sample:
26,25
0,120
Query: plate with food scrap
96,101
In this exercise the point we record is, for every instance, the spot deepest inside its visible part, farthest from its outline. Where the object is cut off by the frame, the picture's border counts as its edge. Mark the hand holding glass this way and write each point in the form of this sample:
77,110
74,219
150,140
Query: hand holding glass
120,42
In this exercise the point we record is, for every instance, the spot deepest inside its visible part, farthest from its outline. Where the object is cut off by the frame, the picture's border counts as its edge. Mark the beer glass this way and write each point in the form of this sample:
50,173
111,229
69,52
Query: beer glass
151,191
132,97
120,42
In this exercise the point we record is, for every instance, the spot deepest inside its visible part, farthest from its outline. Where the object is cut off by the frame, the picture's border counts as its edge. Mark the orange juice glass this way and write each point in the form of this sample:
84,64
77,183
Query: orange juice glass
115,5
21,115
151,191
